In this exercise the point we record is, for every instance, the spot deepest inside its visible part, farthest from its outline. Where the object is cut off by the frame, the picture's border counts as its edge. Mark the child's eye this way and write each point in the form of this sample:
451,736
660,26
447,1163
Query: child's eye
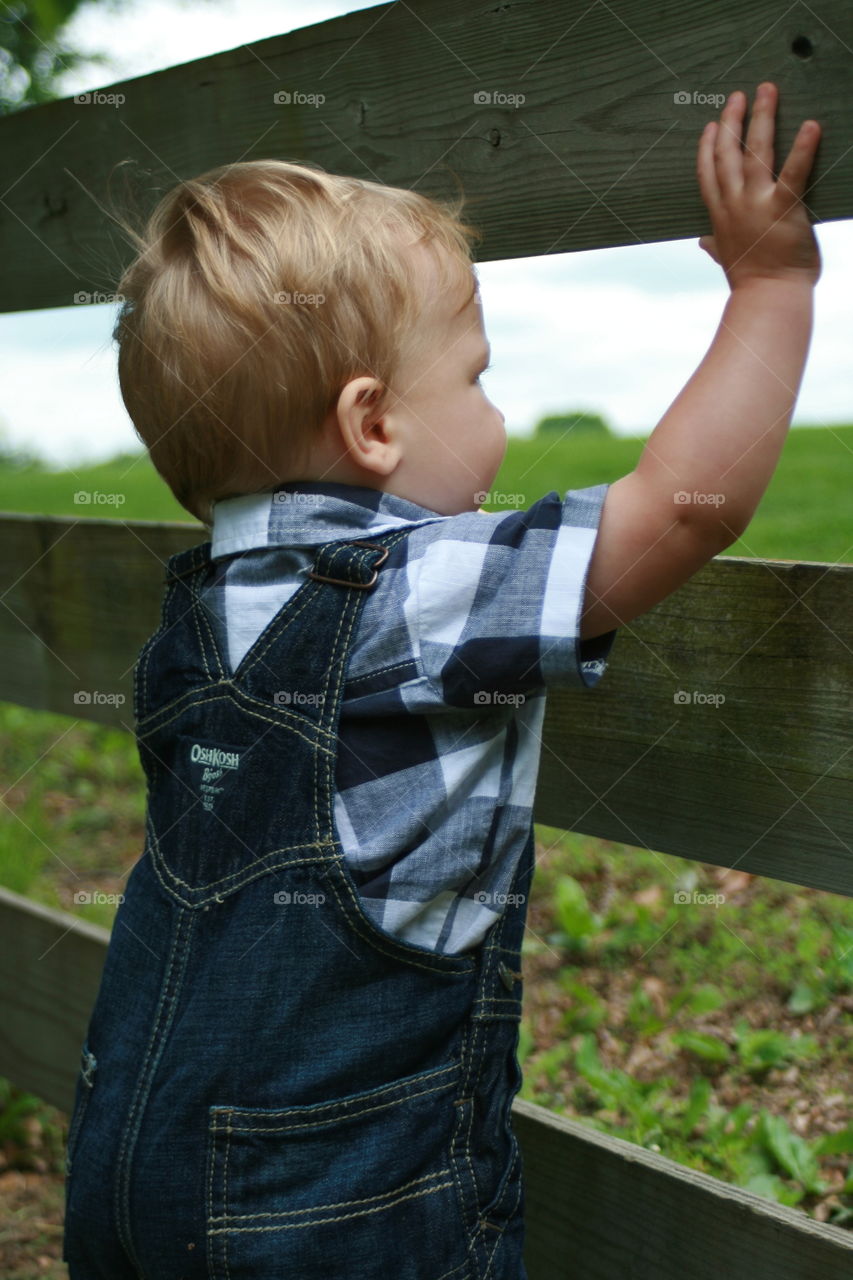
480,374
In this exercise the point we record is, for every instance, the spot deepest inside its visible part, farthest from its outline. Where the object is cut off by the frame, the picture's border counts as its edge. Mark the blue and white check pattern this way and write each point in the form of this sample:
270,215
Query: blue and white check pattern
473,616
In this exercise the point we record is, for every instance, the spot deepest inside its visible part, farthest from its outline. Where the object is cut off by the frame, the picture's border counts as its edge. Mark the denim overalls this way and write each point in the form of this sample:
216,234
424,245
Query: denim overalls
271,1085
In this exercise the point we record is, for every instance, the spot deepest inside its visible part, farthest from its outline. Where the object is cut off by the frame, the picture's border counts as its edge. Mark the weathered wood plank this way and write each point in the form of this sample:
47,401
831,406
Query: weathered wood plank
596,1207
762,781
598,153
50,968
79,597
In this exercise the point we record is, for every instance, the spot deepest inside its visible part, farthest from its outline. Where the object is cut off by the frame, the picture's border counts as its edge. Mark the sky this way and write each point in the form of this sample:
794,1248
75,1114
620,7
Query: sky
612,331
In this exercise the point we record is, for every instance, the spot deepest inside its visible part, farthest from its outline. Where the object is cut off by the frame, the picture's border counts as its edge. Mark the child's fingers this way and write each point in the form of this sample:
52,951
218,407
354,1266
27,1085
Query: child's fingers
706,168
794,174
758,149
727,151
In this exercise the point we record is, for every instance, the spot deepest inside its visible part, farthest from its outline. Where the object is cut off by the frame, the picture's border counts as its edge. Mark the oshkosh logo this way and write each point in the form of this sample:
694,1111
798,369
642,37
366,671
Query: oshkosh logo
214,756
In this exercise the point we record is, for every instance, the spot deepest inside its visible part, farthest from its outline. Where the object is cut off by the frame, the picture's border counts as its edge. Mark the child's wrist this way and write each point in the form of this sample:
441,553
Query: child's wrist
796,283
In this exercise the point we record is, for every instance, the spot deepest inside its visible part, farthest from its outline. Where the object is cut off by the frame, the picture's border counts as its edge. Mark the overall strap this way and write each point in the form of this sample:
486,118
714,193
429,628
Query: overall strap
299,661
300,649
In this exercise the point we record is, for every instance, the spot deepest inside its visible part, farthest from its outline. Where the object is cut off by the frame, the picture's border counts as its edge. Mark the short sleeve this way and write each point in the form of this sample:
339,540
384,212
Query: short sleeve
499,599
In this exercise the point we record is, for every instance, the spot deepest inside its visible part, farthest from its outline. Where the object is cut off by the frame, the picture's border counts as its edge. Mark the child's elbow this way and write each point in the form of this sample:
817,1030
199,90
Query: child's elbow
719,526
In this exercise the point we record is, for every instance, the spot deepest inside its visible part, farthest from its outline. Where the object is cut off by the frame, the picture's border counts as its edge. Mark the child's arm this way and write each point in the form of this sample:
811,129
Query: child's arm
723,434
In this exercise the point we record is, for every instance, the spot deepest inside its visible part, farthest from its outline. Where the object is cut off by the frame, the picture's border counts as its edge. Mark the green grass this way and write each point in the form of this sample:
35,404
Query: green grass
804,515
707,1033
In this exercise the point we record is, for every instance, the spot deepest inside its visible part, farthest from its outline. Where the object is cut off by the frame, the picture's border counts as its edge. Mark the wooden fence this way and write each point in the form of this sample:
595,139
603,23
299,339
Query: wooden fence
599,152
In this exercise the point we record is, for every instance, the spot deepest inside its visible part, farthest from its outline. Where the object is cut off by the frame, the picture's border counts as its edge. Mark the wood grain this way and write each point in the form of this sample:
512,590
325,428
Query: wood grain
598,152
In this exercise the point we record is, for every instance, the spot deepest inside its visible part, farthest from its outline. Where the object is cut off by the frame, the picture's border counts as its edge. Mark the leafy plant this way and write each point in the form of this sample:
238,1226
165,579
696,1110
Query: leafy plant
702,1044
760,1050
576,920
791,1152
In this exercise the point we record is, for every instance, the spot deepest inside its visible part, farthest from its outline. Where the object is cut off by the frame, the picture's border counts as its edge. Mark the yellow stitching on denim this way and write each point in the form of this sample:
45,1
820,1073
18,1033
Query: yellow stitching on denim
375,942
381,671
371,1093
510,1217
144,1080
350,1115
337,1204
158,859
282,626
453,1270
282,722
319,1222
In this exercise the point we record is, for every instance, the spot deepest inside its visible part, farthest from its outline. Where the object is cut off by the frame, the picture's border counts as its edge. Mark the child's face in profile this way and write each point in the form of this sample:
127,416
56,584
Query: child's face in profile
453,436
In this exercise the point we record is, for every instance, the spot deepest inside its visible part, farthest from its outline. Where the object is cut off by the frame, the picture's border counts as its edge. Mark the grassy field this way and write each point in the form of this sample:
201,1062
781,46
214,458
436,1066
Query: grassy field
804,515
720,1037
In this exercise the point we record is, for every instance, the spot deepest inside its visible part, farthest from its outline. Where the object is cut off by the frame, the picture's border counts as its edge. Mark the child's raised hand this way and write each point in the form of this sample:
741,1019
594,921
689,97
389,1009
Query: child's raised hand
761,228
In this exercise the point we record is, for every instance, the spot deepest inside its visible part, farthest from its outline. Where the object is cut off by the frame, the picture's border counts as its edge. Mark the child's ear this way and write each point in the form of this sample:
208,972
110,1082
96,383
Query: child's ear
367,433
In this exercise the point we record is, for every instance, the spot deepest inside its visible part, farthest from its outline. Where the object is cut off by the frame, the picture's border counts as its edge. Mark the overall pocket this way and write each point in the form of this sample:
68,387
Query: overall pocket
360,1188
82,1094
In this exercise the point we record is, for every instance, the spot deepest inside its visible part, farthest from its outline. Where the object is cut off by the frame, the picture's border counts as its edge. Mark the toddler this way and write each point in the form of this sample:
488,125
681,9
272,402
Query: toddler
302,1057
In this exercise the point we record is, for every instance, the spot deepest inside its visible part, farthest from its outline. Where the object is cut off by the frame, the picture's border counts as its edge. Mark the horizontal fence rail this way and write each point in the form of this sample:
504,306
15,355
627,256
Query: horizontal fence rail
568,124
596,1207
720,731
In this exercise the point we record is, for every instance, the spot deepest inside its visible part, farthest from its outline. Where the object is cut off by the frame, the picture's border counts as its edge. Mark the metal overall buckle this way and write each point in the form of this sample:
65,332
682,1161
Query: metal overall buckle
344,582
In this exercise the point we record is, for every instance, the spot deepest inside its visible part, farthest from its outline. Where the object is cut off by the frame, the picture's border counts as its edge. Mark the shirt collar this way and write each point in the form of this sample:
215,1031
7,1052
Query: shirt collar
309,513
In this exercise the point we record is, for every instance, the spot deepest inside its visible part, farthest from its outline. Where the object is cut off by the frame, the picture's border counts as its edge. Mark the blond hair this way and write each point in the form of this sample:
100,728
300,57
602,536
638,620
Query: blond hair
259,289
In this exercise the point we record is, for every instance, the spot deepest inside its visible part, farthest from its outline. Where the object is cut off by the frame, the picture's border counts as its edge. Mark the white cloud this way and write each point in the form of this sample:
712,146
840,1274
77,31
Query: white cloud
153,34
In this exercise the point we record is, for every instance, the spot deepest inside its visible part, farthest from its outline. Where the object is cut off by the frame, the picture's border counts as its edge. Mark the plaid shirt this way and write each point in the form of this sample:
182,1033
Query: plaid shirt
471,617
